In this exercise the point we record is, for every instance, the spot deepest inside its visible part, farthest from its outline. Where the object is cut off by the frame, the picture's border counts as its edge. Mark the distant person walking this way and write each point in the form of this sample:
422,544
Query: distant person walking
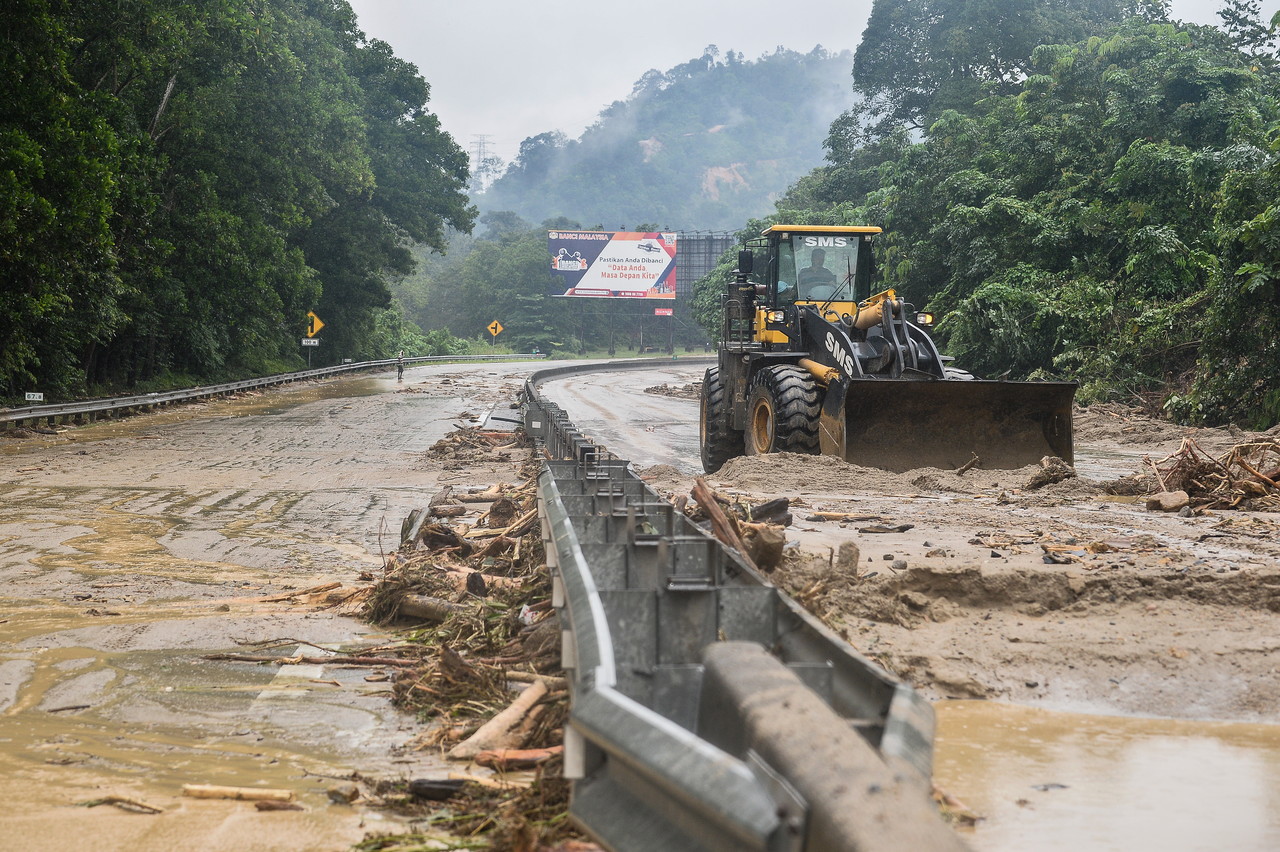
400,366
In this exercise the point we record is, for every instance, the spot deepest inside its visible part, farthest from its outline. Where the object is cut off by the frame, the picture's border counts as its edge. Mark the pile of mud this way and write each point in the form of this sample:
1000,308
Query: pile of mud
690,391
939,593
794,473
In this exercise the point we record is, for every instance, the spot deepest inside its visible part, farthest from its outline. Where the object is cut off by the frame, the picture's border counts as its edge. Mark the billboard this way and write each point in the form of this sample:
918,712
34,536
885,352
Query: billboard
614,264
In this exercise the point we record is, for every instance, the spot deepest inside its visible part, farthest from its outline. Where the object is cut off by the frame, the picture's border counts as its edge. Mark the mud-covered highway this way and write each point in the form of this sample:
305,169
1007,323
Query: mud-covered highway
130,549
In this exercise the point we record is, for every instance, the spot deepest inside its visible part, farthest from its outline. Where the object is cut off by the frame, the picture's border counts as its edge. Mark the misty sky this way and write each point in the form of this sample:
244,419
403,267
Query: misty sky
510,69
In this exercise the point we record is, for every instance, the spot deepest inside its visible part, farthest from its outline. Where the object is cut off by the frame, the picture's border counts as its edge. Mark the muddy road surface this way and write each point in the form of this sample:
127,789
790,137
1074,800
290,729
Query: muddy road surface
131,549
1133,653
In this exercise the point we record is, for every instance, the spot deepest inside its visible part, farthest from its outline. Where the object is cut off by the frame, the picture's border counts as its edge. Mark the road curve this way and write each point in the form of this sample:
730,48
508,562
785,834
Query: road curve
613,409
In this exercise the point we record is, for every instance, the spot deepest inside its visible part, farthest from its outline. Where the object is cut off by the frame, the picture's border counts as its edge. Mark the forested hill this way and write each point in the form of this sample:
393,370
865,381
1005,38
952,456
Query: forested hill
180,183
704,145
1080,189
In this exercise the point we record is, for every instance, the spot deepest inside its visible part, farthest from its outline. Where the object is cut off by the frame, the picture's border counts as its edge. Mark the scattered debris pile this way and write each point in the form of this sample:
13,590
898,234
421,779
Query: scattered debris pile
469,444
689,391
754,531
1245,477
471,576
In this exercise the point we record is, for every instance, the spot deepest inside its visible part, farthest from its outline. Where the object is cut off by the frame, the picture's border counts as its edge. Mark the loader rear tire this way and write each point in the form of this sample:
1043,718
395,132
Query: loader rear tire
719,440
782,411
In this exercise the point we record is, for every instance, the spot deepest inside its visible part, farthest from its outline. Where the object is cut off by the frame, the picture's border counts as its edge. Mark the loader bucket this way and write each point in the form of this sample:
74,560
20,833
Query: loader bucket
902,424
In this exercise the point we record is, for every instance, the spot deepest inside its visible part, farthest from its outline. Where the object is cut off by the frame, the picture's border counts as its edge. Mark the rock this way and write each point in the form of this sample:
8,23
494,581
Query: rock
1168,501
847,557
343,794
915,600
955,681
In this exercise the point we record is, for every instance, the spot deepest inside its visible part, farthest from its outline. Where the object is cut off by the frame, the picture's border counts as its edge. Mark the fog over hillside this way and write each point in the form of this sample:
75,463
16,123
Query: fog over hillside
704,145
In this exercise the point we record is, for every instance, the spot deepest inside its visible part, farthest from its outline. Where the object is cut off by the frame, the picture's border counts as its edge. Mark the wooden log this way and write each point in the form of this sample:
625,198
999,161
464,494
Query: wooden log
124,803
336,660
427,608
844,516
518,527
764,542
493,492
721,524
311,591
553,683
440,537
498,732
516,758
245,794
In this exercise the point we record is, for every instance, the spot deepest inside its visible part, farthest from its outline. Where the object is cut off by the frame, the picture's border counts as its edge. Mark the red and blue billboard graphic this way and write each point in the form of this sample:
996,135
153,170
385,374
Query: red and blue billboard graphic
613,264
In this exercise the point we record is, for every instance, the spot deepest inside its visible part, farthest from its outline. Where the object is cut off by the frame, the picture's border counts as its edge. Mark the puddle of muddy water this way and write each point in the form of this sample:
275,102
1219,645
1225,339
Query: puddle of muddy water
1053,781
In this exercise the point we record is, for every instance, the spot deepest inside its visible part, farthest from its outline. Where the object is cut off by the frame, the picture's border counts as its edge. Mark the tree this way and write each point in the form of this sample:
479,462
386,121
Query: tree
1108,219
1242,23
918,58
60,290
184,181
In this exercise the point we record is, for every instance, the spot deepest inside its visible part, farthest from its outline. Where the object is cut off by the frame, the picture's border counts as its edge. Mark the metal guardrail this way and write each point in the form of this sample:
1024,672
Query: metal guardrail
88,410
658,619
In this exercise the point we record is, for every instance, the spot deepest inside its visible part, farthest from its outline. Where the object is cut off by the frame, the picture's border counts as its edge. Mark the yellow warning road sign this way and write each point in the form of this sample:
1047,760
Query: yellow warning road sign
495,328
314,324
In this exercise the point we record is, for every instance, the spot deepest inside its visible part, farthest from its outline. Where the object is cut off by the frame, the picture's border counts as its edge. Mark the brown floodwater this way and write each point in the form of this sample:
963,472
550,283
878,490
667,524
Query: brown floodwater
1047,781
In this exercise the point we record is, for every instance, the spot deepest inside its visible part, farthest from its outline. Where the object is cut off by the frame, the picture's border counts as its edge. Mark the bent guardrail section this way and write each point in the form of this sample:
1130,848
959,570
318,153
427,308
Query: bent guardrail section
661,628
88,410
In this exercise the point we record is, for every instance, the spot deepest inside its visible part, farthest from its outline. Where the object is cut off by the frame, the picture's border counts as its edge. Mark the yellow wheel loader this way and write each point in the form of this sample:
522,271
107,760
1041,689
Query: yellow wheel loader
812,361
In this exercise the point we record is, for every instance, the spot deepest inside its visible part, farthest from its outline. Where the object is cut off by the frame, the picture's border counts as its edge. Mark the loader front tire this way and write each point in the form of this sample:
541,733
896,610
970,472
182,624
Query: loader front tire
782,411
719,440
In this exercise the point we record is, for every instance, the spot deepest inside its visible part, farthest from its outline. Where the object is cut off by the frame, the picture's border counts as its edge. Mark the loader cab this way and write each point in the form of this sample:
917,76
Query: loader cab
818,264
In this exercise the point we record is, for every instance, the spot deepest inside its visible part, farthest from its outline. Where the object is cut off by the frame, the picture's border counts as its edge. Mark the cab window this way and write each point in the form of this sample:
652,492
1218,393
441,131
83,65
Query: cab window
786,272
822,267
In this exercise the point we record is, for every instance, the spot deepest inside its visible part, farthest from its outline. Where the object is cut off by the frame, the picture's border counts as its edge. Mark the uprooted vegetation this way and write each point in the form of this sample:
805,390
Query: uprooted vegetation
470,585
1244,477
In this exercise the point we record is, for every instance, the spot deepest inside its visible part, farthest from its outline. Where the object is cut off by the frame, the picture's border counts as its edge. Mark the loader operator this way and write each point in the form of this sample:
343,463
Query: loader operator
815,281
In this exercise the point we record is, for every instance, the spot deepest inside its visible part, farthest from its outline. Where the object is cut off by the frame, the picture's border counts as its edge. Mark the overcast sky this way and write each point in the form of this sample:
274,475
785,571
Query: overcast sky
510,69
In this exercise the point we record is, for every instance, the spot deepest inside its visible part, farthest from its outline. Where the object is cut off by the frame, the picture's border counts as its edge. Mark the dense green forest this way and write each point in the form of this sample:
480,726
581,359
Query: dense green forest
703,145
182,181
1104,208
1081,189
